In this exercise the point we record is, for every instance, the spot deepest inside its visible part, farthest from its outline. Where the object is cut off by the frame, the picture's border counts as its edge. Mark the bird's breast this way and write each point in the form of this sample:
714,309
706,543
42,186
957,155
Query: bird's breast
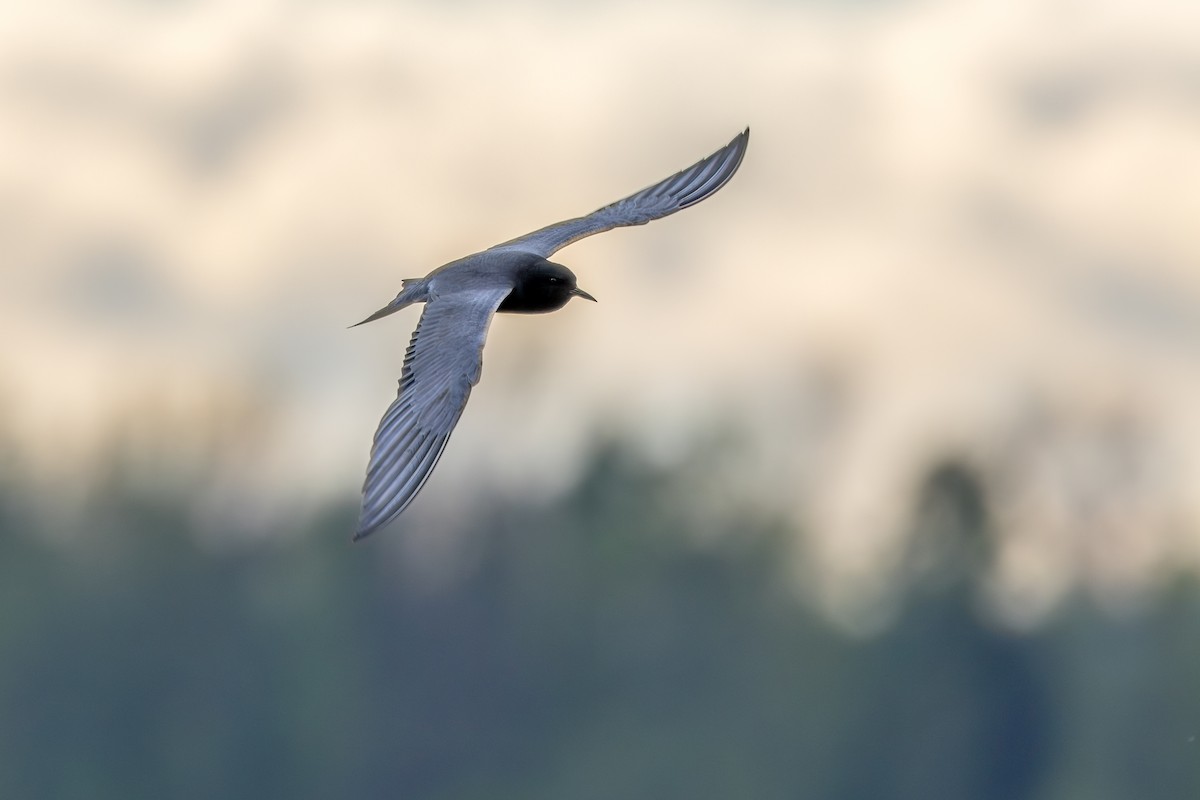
526,301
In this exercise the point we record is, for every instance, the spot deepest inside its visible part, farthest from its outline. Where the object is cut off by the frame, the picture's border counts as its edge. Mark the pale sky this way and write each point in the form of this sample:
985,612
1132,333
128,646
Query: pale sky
961,227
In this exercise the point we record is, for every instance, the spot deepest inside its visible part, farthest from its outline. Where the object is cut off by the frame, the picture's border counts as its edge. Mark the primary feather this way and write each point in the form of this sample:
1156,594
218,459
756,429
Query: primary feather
442,363
684,188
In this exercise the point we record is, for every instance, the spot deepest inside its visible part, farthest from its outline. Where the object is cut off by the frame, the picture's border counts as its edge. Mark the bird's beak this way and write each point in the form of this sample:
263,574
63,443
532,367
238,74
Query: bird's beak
581,293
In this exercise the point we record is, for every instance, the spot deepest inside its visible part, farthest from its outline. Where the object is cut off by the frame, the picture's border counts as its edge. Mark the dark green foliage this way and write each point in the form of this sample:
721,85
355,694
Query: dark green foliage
601,646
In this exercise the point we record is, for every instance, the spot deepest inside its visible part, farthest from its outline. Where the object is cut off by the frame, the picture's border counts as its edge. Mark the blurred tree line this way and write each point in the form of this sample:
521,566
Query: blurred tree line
610,643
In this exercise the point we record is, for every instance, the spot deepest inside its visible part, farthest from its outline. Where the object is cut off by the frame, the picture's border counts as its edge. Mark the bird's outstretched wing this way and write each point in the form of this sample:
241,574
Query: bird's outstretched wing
677,192
442,363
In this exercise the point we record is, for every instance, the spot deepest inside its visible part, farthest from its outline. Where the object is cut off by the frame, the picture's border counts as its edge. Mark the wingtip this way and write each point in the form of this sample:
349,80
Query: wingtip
362,530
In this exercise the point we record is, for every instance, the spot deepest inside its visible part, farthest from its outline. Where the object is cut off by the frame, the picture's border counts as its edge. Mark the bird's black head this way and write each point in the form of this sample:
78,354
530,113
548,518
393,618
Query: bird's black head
542,286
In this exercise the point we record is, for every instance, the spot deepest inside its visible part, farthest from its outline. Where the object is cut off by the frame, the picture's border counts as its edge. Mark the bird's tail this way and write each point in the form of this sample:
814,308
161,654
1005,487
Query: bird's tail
414,291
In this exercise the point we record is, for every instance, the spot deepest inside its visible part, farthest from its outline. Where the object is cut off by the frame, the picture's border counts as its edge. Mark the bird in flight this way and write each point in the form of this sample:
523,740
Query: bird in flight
445,356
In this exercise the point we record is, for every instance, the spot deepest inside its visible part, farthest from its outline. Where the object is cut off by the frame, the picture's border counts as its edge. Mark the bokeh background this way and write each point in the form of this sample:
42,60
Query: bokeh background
877,475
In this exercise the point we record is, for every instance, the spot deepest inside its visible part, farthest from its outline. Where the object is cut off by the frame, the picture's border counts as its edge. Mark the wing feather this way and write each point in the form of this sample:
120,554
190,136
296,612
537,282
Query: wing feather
442,363
683,189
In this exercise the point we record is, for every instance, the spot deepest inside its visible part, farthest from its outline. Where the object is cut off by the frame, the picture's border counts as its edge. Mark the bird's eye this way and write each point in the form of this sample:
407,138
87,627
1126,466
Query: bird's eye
553,279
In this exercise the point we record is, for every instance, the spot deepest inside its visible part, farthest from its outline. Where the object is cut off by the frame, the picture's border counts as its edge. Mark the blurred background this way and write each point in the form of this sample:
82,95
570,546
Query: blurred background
877,475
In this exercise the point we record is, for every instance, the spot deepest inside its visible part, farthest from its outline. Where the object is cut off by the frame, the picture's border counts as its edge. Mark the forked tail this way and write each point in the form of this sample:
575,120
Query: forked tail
414,291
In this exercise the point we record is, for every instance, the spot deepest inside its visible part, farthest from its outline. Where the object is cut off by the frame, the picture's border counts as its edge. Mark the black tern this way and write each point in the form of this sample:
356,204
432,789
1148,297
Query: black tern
445,356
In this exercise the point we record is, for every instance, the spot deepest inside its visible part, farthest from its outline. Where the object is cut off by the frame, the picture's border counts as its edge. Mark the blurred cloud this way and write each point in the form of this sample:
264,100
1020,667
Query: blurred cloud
961,228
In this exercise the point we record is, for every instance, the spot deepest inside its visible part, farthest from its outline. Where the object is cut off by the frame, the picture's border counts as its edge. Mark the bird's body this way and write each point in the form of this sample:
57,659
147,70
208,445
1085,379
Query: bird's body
445,357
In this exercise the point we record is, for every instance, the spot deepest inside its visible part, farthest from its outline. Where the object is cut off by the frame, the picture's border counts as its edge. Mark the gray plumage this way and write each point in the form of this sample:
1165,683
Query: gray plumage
445,357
